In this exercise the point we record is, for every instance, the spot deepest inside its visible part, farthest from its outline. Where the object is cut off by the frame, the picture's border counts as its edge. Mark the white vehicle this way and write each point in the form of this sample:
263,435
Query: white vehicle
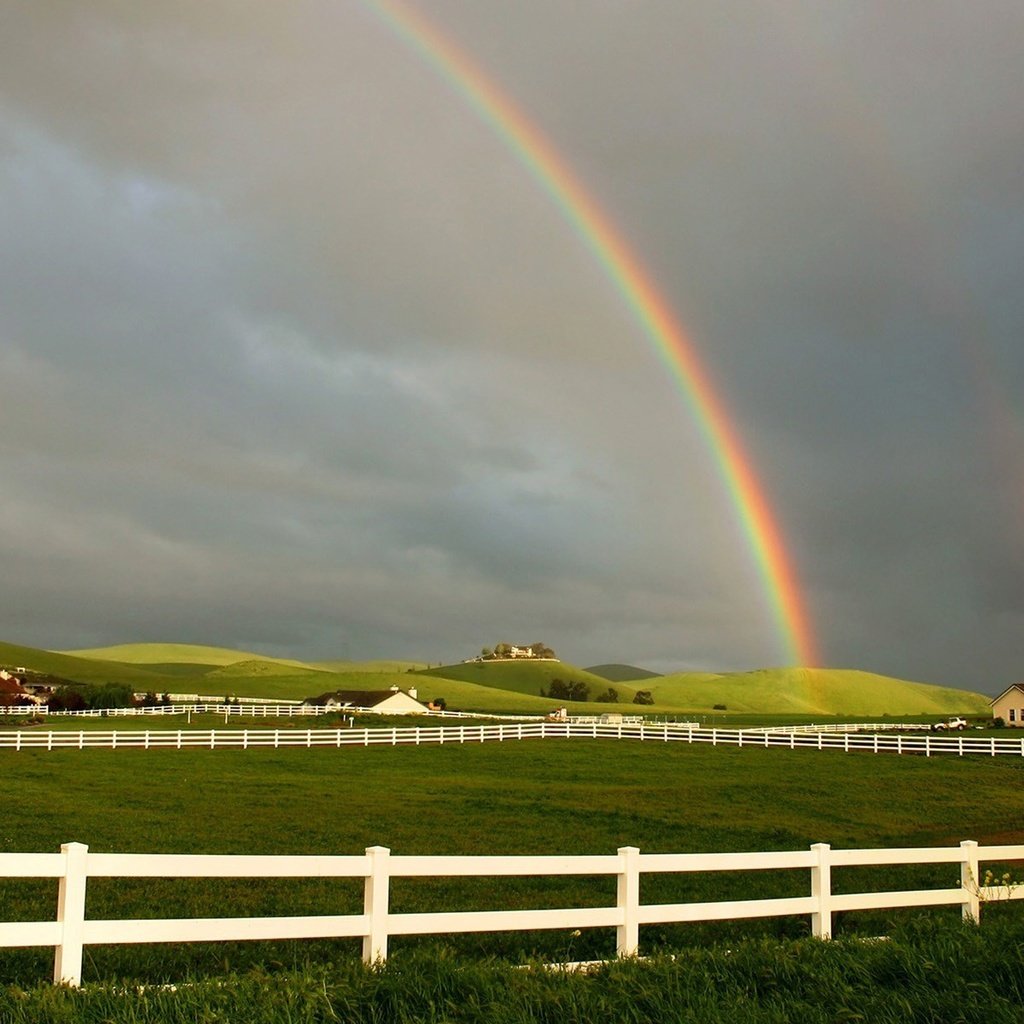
951,723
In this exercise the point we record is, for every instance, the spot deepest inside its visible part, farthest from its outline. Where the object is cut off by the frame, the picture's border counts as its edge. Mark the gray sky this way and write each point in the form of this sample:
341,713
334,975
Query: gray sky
297,357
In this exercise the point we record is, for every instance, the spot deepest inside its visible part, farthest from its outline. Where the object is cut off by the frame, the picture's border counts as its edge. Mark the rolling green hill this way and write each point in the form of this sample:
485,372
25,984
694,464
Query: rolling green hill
622,673
83,670
521,676
171,654
501,686
812,692
368,666
259,668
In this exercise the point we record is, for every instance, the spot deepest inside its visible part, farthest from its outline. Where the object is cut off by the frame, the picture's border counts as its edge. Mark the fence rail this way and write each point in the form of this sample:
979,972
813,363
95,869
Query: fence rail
75,865
221,739
252,709
848,727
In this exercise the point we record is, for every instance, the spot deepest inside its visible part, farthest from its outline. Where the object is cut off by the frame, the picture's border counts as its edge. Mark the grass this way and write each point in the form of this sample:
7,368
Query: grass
578,797
151,654
924,974
812,692
616,673
84,670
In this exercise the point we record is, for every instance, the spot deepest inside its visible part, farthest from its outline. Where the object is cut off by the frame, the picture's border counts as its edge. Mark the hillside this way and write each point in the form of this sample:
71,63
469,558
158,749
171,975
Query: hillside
812,692
368,666
83,670
622,673
501,686
174,654
522,676
261,668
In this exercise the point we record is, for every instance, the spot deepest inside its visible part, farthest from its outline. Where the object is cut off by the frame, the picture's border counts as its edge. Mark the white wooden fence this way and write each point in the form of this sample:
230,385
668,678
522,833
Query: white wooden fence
257,709
848,727
667,732
251,710
74,865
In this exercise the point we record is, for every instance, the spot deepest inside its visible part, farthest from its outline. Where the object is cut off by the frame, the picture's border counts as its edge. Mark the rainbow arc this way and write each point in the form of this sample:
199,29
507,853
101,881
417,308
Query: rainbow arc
624,269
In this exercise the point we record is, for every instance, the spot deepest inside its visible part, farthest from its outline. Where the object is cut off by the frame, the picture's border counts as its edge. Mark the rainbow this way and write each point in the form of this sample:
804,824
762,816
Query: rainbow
634,283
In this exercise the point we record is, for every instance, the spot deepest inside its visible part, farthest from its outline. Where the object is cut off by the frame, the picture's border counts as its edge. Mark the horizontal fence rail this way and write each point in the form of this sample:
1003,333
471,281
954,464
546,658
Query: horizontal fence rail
925,745
75,865
850,727
251,709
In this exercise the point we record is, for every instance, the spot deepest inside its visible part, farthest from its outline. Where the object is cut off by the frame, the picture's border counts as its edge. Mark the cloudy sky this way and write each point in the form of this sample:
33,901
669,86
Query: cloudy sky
297,356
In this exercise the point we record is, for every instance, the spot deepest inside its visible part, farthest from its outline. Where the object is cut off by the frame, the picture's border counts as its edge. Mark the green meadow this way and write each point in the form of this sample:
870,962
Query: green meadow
528,797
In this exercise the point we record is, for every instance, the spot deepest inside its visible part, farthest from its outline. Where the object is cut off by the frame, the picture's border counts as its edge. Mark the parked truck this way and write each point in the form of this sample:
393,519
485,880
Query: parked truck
953,723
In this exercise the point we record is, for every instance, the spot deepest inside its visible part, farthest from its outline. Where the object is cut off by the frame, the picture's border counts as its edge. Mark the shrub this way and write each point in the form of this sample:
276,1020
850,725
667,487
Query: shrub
67,698
560,690
719,707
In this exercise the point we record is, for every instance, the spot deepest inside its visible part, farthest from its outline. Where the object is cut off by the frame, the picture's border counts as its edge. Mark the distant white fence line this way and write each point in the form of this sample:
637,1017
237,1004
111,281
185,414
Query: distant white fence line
74,865
876,743
847,727
252,708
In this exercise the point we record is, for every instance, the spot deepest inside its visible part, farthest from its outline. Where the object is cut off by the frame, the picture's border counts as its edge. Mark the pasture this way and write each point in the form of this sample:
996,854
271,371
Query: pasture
541,798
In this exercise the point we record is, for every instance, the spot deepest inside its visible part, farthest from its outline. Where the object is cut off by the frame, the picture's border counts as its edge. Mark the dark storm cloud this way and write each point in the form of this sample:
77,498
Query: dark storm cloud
297,357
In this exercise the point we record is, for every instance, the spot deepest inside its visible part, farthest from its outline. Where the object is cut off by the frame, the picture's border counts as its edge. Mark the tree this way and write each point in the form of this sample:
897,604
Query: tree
486,652
643,697
610,696
67,698
110,695
576,689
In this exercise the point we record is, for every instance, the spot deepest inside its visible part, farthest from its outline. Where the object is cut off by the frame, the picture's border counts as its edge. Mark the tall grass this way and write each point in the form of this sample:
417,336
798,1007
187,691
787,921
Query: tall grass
925,973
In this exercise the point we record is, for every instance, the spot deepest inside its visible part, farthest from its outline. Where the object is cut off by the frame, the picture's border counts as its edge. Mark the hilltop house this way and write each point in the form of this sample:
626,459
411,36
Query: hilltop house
503,652
380,702
1009,705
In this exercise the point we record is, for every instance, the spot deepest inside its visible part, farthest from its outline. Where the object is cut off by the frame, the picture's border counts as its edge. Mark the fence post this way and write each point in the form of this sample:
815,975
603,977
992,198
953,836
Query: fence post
67,960
821,891
627,934
969,881
375,905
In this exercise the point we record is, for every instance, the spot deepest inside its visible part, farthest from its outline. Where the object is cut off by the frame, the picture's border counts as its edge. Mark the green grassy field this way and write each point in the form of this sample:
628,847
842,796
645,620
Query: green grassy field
572,797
